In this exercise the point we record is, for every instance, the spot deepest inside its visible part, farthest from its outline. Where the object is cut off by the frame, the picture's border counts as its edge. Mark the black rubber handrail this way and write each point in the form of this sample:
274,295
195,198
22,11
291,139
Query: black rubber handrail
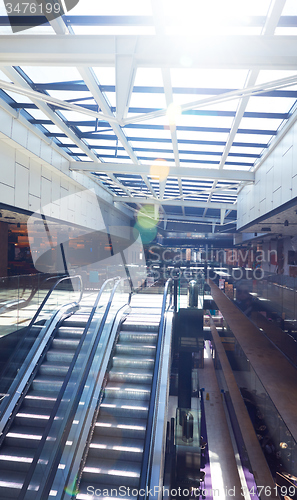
51,291
152,404
60,446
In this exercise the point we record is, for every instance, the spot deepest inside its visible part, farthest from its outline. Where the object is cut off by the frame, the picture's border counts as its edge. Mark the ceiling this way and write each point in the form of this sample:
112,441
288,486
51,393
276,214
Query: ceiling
166,104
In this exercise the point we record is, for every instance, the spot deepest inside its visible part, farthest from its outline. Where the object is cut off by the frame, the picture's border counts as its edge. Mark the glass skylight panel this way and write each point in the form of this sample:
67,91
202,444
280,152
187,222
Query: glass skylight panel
154,155
101,142
38,114
260,123
151,77
204,121
200,158
290,8
208,78
265,104
147,100
105,75
50,74
202,136
160,133
200,148
260,138
239,150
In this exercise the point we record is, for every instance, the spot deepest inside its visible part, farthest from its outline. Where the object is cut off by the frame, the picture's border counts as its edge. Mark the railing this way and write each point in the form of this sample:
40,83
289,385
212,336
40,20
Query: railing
18,293
113,294
147,450
64,296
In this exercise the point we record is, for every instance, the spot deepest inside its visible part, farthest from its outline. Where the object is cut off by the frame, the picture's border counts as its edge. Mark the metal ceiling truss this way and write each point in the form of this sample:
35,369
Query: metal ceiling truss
127,54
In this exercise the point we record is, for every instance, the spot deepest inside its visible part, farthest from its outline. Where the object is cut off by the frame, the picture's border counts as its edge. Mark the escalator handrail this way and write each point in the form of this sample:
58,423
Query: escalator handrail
76,276
152,403
59,448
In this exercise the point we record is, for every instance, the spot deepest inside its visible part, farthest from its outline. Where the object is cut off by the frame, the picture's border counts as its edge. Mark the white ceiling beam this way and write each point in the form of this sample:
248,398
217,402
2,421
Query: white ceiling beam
220,52
177,203
192,172
125,76
89,78
13,75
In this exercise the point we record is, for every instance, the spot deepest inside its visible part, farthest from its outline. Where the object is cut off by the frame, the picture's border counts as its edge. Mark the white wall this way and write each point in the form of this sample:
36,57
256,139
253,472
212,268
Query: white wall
275,182
35,176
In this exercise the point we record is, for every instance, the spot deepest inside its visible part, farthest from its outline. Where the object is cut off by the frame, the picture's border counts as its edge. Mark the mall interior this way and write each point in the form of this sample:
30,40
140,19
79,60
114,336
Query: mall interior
148,249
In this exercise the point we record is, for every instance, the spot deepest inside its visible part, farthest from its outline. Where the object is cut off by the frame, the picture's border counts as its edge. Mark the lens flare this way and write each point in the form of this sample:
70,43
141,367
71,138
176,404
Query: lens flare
173,113
159,169
147,235
148,217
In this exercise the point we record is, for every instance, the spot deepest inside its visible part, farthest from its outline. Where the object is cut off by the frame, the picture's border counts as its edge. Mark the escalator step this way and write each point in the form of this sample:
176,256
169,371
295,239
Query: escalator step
129,348
23,436
42,383
15,458
37,399
123,407
59,355
53,369
140,326
133,362
119,472
69,332
134,375
116,449
120,427
141,392
146,337
65,343
32,417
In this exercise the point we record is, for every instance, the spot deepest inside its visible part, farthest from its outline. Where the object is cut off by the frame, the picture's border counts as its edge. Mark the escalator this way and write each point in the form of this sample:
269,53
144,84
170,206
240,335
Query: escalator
98,358
115,451
21,438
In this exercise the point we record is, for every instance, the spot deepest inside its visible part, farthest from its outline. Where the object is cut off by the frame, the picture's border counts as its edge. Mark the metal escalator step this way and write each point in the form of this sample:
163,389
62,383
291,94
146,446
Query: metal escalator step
143,337
76,321
59,355
32,417
23,436
135,362
53,384
116,449
15,458
123,407
118,426
132,391
134,375
10,483
69,332
129,348
65,343
37,399
119,472
53,369
140,325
